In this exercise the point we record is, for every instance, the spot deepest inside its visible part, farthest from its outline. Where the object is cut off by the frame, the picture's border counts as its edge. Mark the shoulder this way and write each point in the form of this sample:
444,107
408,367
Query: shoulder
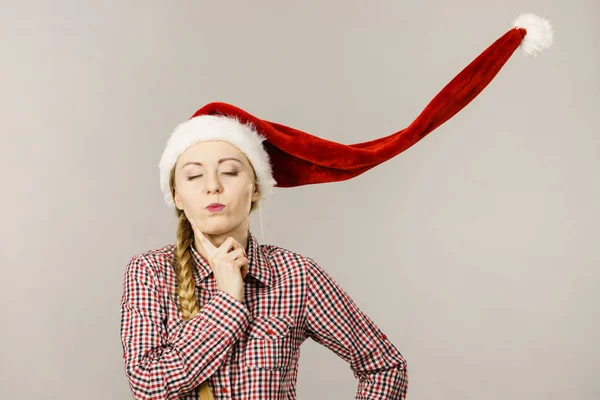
272,251
150,264
285,259
312,271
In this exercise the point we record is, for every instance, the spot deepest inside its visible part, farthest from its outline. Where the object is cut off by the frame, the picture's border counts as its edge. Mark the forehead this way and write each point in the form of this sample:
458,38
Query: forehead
209,152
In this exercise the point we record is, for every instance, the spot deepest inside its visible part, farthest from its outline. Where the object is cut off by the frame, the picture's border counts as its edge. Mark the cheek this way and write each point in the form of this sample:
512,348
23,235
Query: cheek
185,193
243,198
190,195
248,194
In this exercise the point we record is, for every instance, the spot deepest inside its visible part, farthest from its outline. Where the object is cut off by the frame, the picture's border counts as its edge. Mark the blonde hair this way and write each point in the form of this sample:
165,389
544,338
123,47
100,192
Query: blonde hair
183,258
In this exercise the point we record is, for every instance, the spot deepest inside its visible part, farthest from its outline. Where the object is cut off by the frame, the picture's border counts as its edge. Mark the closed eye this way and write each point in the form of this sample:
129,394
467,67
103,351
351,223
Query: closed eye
224,173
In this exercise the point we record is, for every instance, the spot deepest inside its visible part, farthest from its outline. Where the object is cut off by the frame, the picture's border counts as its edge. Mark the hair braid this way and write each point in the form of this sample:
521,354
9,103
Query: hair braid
183,268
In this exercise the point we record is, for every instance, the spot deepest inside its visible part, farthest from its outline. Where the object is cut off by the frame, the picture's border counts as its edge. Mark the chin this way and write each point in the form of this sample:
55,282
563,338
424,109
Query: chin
216,229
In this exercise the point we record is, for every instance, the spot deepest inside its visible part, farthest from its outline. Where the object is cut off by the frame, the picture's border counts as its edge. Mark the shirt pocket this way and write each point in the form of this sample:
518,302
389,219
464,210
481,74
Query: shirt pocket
269,342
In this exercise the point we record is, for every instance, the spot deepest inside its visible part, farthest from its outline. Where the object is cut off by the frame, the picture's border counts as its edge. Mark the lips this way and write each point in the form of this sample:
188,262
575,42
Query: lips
215,207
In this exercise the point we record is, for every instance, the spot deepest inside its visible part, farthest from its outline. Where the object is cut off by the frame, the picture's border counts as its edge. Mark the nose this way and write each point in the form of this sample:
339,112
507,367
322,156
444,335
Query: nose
213,184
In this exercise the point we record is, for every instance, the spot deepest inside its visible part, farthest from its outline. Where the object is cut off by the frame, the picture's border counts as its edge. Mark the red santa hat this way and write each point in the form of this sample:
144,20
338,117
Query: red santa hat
286,157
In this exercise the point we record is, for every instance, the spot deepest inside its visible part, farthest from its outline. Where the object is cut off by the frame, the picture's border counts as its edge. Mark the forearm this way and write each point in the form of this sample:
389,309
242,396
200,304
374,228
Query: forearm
177,365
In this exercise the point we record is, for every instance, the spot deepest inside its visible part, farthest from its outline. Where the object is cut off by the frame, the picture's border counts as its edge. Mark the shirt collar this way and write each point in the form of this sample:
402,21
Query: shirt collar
258,264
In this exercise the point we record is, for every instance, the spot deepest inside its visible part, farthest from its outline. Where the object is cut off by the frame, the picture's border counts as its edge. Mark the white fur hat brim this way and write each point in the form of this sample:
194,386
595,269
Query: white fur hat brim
212,127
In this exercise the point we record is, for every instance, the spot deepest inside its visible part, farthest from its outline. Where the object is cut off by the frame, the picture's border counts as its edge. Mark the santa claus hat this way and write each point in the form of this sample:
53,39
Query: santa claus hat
286,157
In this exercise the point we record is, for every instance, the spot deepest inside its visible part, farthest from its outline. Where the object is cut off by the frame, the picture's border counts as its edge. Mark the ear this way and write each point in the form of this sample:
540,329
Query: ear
177,201
255,193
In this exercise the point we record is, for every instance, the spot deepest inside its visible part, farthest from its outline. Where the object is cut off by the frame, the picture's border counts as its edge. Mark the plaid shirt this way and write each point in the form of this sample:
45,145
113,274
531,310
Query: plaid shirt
249,350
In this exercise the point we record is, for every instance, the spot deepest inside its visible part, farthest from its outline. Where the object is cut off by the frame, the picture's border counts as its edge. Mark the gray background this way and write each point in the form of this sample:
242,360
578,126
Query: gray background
475,251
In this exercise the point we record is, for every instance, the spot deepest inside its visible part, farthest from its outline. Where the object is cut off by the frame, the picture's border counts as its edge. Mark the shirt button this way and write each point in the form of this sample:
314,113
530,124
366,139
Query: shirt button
270,331
224,389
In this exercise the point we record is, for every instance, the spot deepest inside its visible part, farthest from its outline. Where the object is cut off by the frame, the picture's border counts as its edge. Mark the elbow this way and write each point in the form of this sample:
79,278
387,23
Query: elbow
143,384
137,383
402,379
152,379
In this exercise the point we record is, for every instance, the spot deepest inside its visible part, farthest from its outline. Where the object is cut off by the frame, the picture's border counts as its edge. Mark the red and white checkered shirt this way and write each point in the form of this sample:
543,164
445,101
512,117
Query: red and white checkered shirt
249,350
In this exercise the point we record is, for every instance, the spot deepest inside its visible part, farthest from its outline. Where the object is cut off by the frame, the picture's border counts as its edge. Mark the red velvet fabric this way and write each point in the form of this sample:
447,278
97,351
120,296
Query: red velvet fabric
299,158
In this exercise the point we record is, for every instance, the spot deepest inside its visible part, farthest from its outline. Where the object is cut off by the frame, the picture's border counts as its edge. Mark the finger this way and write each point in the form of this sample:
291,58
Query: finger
238,246
203,239
225,247
195,228
235,254
228,245
241,263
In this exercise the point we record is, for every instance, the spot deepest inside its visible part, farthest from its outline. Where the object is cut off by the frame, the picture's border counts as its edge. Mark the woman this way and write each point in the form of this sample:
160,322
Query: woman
219,315
217,312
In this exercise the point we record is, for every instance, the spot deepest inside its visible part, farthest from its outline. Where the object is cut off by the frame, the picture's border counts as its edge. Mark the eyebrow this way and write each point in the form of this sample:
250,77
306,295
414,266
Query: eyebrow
220,161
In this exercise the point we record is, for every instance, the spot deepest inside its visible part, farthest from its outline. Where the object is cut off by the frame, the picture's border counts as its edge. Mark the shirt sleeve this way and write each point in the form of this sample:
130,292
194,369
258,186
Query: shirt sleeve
161,366
335,321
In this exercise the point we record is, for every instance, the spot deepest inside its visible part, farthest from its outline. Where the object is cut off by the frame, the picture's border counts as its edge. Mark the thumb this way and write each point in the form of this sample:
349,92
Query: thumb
203,240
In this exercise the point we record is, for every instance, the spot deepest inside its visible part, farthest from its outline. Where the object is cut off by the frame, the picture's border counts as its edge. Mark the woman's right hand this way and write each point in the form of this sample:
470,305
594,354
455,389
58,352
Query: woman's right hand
229,263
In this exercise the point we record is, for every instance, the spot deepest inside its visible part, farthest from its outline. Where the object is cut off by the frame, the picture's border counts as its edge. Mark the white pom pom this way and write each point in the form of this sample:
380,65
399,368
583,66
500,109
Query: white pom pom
539,33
